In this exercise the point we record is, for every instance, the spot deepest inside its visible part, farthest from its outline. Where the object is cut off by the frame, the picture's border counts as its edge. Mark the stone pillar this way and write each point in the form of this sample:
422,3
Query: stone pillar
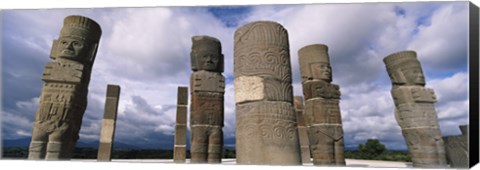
322,110
179,149
63,99
302,130
108,125
266,128
456,148
415,110
207,86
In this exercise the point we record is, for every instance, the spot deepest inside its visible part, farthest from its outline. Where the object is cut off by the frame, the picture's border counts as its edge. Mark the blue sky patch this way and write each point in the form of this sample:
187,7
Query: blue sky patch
230,15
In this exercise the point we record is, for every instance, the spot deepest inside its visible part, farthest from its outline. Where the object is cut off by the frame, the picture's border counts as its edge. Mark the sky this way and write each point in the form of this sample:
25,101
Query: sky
146,51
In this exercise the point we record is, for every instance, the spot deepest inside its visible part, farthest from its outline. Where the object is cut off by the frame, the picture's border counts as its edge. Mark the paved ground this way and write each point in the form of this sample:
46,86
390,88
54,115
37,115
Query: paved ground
350,162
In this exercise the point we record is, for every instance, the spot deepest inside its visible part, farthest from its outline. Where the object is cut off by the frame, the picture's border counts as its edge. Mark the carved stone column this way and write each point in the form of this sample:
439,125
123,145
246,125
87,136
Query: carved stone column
415,110
302,130
107,134
207,86
456,148
322,110
64,93
266,122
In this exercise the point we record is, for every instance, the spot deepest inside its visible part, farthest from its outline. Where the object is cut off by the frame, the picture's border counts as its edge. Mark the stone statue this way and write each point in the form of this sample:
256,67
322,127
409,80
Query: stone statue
64,94
179,148
322,110
266,122
415,110
207,86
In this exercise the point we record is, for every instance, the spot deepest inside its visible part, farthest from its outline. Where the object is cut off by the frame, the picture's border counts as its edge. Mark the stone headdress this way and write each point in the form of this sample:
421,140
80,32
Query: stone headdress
399,61
82,28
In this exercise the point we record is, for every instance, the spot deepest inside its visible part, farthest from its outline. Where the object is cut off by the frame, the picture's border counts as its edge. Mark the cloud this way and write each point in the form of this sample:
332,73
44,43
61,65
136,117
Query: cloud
443,45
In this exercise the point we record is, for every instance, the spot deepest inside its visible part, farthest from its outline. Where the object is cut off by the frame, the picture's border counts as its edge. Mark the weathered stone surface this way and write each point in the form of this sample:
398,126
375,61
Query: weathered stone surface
64,94
267,126
180,138
249,88
181,115
179,154
266,131
257,88
182,98
108,125
206,81
302,130
415,110
206,54
206,109
322,111
456,148
206,143
322,137
180,141
261,49
320,89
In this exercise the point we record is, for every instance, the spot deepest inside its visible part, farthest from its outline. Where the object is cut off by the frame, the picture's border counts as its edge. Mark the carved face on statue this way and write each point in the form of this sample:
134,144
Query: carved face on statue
78,40
72,48
414,76
321,70
208,59
206,54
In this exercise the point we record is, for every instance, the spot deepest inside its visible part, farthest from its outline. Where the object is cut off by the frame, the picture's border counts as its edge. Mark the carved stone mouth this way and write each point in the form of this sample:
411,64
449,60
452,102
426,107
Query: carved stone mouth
68,52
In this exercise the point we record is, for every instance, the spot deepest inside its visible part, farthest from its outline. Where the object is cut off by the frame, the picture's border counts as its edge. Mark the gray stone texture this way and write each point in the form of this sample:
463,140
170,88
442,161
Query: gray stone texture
266,122
456,148
302,130
207,86
180,140
63,99
322,111
415,110
108,124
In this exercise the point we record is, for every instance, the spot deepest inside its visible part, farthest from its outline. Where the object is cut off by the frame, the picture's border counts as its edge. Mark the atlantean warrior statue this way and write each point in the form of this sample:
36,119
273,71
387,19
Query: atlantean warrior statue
64,94
266,122
322,110
415,110
207,86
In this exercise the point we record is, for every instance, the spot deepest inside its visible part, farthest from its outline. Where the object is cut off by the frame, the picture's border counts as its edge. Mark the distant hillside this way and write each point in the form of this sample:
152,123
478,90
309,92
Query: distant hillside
167,143
25,142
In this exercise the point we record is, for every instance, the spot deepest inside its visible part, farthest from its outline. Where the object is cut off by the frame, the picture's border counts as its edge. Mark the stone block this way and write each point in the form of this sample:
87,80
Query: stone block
205,81
182,95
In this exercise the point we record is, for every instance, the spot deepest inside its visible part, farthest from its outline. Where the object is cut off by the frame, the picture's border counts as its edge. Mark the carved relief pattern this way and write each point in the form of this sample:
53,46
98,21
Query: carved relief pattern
206,81
322,111
268,62
320,89
207,109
